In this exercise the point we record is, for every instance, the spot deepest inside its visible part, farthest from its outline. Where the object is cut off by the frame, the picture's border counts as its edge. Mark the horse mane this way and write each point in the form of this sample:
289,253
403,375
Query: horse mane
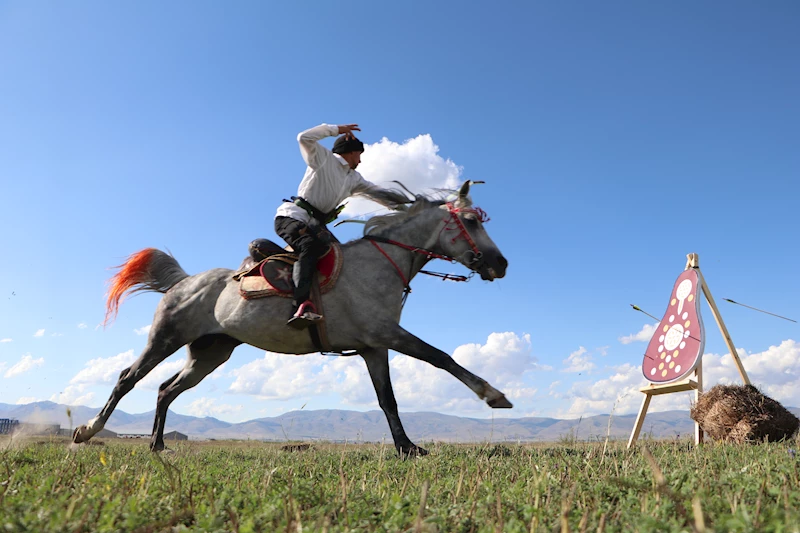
378,224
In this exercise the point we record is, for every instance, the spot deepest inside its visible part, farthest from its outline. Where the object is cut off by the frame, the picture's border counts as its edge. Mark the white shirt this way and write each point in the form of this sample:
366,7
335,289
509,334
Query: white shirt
328,181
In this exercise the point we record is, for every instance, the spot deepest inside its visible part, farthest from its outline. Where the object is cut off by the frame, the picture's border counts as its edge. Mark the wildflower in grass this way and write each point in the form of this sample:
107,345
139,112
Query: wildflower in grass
103,459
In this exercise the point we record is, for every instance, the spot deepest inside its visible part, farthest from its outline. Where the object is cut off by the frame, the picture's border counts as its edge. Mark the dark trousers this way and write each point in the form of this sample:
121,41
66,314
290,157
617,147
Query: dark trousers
309,244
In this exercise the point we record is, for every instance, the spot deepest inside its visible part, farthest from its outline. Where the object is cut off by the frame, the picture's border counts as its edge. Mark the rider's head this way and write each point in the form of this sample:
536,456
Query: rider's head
350,149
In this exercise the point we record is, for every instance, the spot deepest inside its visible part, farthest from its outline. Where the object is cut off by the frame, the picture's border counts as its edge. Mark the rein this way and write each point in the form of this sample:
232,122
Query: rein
429,254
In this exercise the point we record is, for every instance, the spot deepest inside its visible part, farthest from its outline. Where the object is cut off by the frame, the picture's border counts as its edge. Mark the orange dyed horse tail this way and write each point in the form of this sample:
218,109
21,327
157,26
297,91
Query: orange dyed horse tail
146,270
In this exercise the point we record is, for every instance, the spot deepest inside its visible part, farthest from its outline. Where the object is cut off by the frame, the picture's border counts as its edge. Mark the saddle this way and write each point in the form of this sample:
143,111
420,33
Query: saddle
271,275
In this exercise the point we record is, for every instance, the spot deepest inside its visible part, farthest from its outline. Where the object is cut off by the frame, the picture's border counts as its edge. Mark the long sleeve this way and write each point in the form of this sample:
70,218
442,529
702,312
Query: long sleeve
313,153
385,197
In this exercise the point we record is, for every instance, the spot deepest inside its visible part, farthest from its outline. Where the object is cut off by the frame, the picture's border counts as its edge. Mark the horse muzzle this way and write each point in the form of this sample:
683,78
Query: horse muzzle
492,268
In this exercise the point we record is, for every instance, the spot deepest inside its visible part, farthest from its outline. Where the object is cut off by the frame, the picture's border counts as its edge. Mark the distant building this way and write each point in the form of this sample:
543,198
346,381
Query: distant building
8,426
174,435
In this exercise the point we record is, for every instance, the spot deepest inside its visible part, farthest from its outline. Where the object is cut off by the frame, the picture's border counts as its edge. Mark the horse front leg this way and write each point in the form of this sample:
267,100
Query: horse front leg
396,338
377,360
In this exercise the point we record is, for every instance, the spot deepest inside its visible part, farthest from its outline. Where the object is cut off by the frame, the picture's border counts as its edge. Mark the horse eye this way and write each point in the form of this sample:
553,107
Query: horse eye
471,221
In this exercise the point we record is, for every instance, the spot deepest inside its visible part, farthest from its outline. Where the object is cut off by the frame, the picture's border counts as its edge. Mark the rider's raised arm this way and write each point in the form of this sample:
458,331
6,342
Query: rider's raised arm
386,197
314,153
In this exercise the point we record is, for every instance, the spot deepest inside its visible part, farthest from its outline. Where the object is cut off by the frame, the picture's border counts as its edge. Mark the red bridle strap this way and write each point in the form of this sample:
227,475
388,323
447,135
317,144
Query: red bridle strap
399,272
417,250
454,211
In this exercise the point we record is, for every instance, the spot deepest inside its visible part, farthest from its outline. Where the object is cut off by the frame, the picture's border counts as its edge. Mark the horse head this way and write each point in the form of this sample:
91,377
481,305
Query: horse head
464,237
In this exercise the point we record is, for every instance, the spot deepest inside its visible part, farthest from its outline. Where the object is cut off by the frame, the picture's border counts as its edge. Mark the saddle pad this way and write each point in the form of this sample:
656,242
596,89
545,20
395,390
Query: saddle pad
275,277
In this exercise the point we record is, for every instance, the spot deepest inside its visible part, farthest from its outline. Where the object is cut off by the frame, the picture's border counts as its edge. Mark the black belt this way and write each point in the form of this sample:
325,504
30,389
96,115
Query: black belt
317,214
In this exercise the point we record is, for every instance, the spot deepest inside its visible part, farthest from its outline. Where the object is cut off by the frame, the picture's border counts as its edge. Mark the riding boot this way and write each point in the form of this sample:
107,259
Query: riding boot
305,316
303,310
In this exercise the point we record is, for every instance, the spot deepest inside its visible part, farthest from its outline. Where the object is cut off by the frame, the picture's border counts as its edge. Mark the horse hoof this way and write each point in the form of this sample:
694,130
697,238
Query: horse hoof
78,435
412,451
500,403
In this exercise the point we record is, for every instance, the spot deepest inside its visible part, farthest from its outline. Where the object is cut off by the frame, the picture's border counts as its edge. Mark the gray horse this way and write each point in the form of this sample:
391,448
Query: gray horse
207,313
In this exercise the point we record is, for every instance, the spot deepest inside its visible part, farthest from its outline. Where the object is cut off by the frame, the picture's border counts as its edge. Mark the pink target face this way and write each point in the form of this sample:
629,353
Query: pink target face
677,345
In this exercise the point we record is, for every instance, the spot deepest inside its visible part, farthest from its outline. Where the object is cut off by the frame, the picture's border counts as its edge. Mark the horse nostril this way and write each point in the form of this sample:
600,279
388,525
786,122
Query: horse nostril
502,261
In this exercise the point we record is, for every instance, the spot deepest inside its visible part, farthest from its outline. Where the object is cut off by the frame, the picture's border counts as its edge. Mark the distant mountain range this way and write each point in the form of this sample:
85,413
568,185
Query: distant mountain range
371,426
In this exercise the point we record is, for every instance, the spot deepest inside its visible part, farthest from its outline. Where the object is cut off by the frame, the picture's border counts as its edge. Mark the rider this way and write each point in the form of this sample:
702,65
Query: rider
330,178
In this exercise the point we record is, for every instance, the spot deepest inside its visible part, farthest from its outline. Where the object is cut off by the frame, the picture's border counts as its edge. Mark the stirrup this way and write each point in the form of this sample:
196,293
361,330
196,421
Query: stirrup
305,316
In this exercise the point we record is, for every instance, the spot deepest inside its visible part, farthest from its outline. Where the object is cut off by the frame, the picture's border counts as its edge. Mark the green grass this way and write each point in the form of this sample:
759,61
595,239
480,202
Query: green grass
248,486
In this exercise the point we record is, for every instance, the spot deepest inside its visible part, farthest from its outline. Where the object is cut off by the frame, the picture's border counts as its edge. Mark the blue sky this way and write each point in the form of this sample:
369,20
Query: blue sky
614,138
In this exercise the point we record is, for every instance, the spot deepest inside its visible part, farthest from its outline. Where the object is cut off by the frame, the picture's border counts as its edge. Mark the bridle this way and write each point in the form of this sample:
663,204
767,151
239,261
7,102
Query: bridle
480,214
451,223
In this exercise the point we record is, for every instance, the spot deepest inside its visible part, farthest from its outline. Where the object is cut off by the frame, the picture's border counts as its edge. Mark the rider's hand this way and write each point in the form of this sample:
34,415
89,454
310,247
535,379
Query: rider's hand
348,130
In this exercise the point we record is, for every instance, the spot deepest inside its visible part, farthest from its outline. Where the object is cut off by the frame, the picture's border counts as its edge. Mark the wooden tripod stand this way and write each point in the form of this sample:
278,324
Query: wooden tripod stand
695,380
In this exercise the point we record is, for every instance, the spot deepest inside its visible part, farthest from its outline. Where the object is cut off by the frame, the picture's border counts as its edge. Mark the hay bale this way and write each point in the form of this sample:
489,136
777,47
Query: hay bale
742,413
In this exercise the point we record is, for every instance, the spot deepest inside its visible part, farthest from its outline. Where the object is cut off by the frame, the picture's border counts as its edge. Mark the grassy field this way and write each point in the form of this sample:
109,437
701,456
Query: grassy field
249,486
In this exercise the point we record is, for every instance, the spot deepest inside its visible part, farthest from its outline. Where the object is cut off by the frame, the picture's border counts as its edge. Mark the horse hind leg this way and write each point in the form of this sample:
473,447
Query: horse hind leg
205,355
160,345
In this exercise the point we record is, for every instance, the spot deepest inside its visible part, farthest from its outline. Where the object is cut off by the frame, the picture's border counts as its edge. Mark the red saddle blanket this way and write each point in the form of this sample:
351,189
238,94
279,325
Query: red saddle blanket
273,275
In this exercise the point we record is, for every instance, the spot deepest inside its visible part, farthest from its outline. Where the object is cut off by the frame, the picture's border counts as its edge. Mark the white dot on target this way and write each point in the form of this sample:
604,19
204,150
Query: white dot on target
683,345
661,348
677,368
685,316
653,372
672,318
661,338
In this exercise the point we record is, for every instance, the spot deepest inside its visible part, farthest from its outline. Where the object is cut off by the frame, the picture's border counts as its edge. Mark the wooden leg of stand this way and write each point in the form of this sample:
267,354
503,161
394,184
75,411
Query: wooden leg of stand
698,372
637,428
724,330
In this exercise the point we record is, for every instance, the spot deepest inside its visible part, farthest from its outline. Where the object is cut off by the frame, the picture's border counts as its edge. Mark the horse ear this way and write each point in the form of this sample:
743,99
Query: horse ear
463,193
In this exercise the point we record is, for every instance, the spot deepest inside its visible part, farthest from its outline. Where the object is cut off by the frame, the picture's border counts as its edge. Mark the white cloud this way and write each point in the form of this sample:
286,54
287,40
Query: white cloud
144,330
26,363
578,361
416,163
27,399
82,326
160,374
6,340
644,335
104,370
210,407
73,395
503,361
39,333
618,393
776,371
282,377
56,334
